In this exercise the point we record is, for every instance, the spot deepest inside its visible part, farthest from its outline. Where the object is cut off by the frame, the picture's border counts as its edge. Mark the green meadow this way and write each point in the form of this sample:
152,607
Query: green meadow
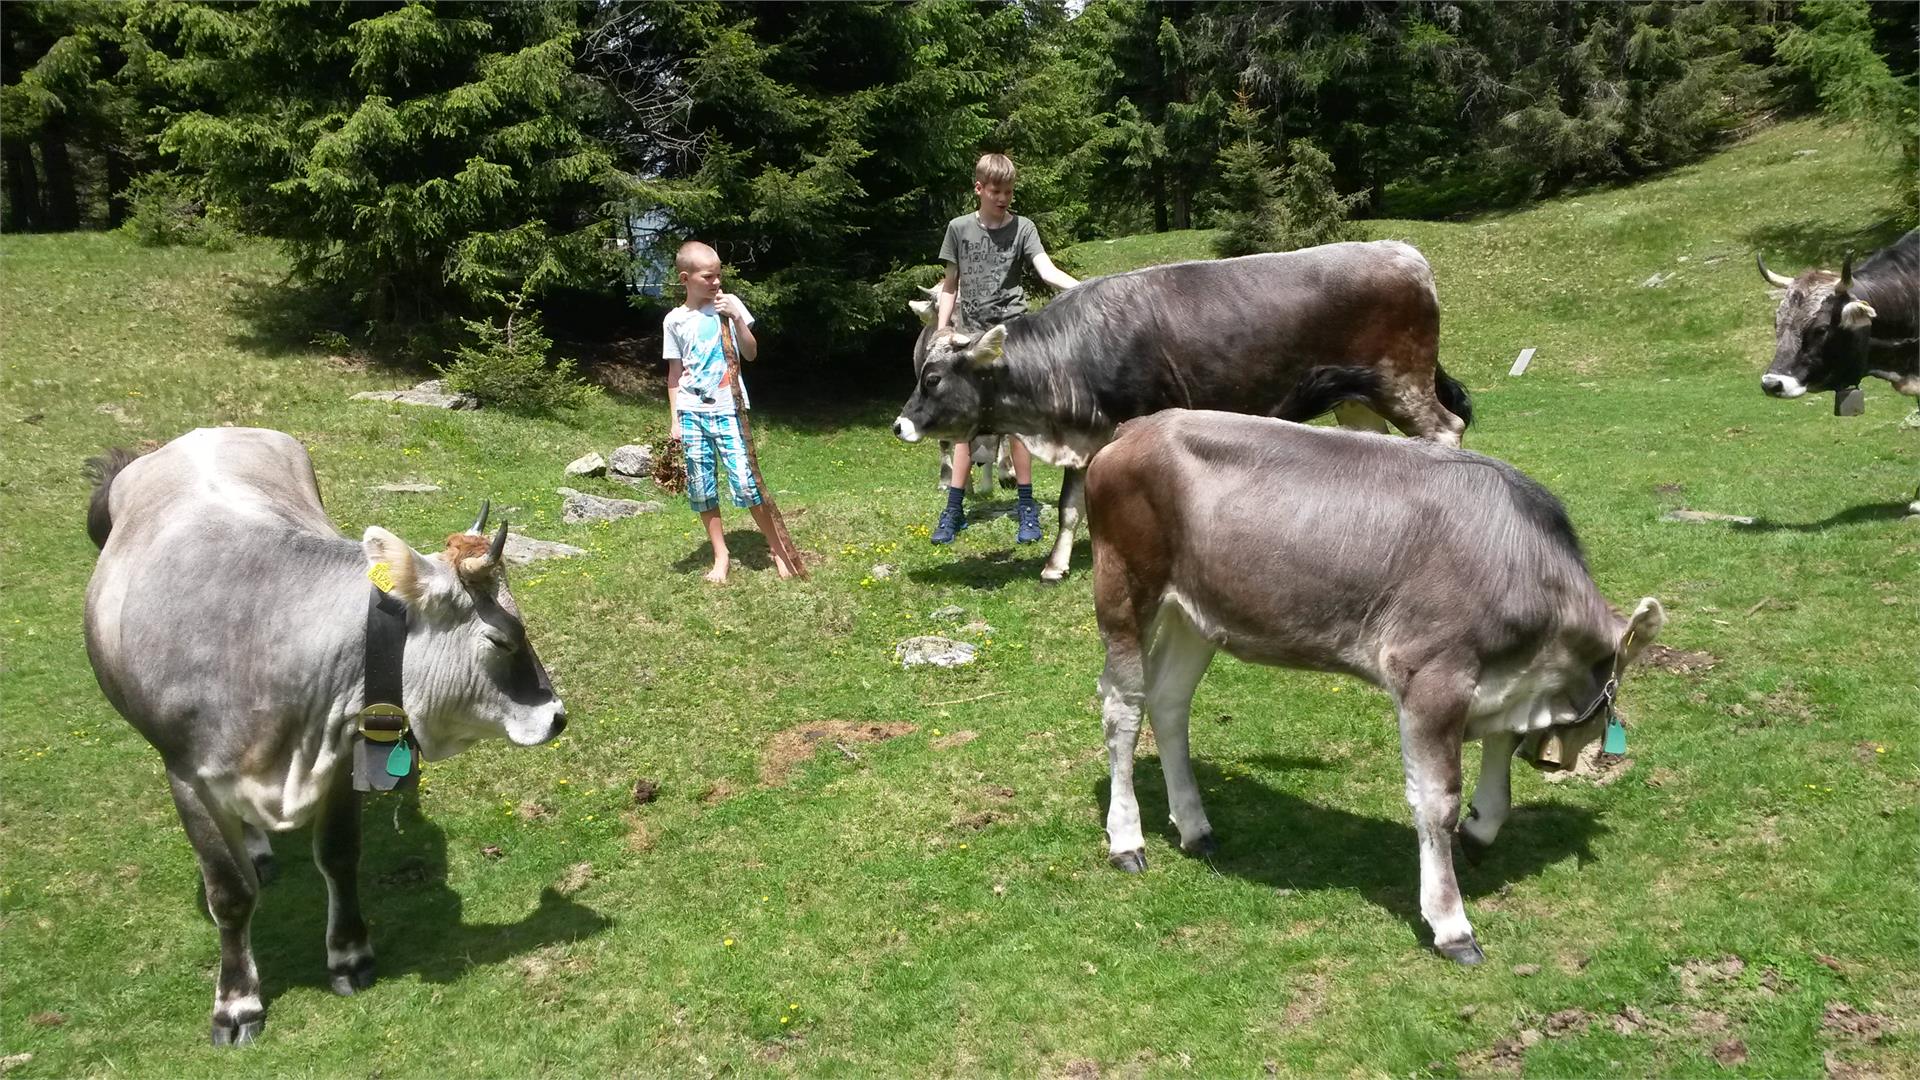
854,869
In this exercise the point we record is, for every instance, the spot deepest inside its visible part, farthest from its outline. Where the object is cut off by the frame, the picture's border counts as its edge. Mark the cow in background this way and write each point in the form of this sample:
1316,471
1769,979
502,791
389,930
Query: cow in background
1832,330
1446,578
1349,327
228,621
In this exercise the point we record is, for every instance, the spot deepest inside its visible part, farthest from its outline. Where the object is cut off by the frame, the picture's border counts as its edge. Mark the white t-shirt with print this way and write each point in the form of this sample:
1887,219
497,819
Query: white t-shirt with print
693,338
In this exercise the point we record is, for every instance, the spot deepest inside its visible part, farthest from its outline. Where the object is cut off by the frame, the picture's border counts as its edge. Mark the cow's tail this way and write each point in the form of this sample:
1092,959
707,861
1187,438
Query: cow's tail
101,470
1453,395
1320,389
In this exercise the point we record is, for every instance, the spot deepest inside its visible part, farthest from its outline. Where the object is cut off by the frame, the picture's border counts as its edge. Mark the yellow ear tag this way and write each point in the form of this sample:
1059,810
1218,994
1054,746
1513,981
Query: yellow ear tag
381,575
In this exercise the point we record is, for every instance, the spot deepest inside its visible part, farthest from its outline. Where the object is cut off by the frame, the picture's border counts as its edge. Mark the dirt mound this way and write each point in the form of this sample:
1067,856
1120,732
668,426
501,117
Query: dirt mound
797,744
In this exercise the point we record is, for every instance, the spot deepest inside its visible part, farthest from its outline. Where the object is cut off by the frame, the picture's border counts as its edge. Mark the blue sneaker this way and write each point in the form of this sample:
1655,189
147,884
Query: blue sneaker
952,520
1028,514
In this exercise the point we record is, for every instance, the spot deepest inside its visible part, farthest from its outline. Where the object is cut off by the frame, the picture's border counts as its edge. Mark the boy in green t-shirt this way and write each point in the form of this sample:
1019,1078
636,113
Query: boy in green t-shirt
984,251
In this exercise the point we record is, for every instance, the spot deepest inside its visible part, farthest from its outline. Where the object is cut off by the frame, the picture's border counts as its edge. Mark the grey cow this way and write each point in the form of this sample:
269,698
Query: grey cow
227,620
1352,327
1444,577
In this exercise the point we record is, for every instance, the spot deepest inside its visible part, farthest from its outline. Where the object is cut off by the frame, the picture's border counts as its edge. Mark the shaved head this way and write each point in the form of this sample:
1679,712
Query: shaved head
693,255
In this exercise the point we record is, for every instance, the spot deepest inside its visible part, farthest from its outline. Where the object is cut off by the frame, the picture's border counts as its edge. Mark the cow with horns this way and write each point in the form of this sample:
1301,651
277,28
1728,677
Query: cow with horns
238,631
1832,330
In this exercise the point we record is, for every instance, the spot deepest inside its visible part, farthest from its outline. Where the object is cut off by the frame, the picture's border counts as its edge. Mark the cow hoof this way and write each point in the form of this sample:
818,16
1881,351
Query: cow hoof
237,1030
1472,847
350,979
1202,845
1466,953
1130,861
1050,574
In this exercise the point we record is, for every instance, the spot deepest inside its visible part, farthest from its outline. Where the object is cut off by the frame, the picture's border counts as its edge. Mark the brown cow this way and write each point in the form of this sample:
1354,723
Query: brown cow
1444,577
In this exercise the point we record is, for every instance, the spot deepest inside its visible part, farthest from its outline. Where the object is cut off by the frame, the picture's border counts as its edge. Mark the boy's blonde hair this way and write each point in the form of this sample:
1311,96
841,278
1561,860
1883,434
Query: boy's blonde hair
692,255
994,170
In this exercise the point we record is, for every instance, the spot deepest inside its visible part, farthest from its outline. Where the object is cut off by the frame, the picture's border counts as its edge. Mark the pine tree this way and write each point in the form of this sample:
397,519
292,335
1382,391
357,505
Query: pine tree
418,159
1250,217
1311,210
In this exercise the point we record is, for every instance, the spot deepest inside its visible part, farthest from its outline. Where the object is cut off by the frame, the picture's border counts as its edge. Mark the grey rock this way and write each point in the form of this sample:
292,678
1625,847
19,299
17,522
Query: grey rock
979,626
1700,516
408,489
951,611
580,507
938,651
632,460
522,550
590,465
431,394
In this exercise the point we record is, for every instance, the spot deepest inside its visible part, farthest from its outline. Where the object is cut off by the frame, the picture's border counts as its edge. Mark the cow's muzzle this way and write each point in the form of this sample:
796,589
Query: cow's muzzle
1781,386
905,430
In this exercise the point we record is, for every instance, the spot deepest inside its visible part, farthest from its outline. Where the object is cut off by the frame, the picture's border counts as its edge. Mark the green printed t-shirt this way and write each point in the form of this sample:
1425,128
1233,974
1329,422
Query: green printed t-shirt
990,261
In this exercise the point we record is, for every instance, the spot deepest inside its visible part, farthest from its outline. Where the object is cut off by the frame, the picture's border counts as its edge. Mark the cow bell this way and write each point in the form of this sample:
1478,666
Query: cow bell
1546,750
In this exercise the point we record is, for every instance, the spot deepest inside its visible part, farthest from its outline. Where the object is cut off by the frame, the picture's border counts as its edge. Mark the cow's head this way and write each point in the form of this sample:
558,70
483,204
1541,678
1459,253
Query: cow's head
470,671
1821,332
1580,714
951,372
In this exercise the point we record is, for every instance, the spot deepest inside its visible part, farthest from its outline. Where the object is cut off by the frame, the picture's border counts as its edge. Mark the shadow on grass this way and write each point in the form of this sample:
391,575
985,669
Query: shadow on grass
996,568
745,547
1280,839
1793,247
1853,515
415,916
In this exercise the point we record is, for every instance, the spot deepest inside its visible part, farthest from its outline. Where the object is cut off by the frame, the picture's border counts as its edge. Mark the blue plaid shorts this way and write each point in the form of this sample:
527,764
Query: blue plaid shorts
709,439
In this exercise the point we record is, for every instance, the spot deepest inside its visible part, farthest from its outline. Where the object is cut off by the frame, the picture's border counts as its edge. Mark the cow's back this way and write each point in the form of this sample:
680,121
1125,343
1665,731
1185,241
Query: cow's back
219,551
1238,334
1316,521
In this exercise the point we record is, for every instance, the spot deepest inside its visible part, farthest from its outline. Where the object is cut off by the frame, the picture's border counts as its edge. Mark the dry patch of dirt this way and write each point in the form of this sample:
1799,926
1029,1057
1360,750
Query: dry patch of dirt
1568,1022
958,738
1078,1069
1593,766
1844,1021
1698,977
798,744
976,821
575,878
640,838
1307,1002
1730,1053
716,792
1678,661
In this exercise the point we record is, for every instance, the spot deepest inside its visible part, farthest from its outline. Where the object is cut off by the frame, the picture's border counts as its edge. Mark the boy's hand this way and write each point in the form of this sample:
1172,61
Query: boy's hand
726,306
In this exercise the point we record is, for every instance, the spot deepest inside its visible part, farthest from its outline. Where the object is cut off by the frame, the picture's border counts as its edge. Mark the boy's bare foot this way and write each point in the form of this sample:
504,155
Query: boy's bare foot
718,575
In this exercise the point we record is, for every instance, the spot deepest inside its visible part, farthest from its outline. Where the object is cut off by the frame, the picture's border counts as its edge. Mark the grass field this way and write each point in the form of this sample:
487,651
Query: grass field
1740,899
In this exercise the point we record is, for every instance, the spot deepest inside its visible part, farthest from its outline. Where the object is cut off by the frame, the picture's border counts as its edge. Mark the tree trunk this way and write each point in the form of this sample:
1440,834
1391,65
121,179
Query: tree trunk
63,201
119,175
23,188
1159,200
1181,197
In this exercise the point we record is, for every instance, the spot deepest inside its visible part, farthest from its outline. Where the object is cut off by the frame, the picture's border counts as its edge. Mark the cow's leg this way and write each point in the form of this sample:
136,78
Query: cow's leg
1072,505
1179,660
1433,710
1005,459
232,887
1492,796
336,851
1356,415
1415,410
1122,692
946,466
260,852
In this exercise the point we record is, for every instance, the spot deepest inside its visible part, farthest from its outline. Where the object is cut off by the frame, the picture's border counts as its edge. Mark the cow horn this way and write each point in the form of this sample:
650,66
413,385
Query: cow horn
499,546
1846,274
1773,279
480,523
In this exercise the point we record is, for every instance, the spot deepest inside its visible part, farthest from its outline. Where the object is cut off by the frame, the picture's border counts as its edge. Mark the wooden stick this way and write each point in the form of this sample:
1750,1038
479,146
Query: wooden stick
780,541
964,700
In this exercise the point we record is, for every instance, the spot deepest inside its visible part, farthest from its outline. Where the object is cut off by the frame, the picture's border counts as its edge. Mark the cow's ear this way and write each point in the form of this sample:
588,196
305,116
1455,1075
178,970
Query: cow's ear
990,349
395,567
924,309
1857,315
1642,629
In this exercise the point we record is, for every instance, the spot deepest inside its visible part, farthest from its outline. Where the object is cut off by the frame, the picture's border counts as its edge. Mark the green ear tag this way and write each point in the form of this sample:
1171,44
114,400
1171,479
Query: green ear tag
400,761
1616,738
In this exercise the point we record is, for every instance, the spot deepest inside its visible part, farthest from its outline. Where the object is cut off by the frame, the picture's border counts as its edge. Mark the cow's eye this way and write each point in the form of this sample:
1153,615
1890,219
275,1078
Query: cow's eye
933,379
498,640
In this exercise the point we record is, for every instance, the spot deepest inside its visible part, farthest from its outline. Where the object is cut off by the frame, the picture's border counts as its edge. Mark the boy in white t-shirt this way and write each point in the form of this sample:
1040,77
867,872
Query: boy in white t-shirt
702,404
